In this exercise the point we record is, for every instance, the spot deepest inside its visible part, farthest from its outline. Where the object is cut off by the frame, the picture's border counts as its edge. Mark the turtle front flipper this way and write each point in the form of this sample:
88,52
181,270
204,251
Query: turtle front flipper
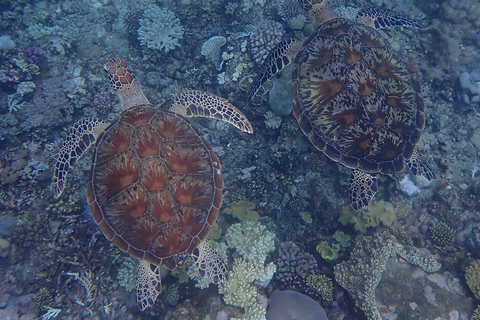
420,167
362,189
280,57
195,103
209,264
79,138
380,18
148,284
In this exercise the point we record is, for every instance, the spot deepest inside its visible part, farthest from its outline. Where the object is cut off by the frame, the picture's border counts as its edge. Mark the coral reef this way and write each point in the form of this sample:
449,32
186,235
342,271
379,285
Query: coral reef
442,234
472,276
360,275
371,216
320,285
253,243
294,266
244,210
160,29
264,38
211,49
239,291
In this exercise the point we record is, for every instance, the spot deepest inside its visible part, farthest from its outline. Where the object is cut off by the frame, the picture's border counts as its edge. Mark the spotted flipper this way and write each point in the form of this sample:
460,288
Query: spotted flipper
380,18
209,264
420,166
362,189
195,103
79,138
280,57
148,284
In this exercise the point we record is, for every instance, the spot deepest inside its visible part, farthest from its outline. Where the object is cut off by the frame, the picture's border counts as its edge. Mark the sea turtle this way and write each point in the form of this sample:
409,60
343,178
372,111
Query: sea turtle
155,185
352,96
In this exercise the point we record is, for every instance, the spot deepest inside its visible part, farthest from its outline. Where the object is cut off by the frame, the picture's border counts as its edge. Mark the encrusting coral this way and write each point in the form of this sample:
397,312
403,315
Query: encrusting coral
361,274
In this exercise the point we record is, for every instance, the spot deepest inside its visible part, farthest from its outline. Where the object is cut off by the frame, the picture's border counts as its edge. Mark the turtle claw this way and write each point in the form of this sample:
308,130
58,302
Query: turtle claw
363,188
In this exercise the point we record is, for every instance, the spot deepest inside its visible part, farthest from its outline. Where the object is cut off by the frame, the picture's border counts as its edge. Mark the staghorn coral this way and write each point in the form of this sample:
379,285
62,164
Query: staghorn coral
361,274
160,29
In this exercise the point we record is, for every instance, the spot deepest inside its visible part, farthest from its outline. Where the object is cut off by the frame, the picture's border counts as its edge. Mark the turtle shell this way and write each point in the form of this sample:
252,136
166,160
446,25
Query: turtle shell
155,186
355,100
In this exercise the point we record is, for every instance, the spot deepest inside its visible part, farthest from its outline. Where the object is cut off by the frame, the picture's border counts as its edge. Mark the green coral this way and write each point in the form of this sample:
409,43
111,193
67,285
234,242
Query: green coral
371,216
442,235
323,285
239,291
472,276
243,210
307,217
327,251
342,238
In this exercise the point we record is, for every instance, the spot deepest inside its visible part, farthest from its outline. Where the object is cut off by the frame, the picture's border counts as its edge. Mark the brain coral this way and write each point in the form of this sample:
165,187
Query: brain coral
160,29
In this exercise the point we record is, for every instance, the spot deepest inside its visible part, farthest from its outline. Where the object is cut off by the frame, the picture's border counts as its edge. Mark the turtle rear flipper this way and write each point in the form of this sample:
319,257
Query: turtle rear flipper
196,103
209,264
79,138
420,167
280,57
362,189
380,18
148,284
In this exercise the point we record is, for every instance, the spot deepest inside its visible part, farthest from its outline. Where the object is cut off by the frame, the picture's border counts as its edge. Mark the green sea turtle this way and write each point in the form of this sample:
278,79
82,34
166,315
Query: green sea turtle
352,96
155,185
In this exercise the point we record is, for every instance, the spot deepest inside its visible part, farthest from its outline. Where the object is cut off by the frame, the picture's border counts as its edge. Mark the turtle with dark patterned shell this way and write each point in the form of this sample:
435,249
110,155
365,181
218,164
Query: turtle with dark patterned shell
155,185
352,96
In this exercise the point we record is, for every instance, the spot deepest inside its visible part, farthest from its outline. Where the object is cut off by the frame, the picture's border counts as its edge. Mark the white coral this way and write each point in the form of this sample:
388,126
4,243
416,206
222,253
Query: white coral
160,29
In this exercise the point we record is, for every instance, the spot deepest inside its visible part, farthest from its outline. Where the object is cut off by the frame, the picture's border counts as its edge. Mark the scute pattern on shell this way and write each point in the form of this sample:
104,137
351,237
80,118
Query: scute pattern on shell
155,186
355,100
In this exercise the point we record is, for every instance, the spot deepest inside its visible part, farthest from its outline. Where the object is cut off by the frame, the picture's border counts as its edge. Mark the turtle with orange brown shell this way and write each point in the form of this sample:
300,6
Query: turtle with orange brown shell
155,185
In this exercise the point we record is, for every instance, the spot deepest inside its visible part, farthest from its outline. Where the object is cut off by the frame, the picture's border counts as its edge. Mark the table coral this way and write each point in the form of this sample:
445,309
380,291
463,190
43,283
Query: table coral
362,273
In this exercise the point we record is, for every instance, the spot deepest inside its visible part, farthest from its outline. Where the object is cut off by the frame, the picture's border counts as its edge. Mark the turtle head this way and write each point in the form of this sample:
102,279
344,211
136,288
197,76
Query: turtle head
319,11
119,74
308,4
123,81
